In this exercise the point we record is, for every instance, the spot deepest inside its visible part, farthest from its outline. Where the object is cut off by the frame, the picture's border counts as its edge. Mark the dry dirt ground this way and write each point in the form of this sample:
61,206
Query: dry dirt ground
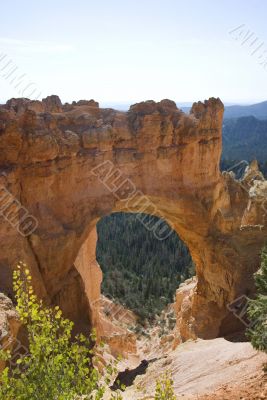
252,388
207,370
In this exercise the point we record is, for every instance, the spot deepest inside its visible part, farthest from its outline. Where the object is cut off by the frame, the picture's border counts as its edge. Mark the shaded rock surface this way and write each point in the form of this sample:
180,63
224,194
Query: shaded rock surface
127,377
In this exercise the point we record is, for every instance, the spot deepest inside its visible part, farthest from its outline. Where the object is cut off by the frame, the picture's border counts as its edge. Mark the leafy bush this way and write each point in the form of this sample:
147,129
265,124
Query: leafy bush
257,310
56,367
164,388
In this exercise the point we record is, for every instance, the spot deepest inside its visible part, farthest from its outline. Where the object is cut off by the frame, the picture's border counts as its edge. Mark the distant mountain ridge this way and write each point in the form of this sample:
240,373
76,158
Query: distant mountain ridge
245,138
257,110
245,134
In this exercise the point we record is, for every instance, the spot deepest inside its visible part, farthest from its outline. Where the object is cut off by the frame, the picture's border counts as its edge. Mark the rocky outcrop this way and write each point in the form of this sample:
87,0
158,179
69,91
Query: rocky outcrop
67,166
9,326
51,104
113,328
183,310
206,370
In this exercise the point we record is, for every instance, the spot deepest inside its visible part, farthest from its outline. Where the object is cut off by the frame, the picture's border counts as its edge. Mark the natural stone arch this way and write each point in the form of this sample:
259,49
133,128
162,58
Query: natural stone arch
49,155
216,287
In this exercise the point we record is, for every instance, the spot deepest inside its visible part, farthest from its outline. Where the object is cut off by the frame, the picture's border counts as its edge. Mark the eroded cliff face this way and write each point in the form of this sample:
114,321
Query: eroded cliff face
69,165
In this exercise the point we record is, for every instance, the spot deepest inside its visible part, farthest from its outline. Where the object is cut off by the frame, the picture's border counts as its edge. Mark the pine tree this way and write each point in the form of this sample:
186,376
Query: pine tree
257,310
137,267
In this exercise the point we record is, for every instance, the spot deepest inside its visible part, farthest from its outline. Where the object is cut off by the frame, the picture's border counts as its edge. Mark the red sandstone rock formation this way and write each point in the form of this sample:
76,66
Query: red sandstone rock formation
154,159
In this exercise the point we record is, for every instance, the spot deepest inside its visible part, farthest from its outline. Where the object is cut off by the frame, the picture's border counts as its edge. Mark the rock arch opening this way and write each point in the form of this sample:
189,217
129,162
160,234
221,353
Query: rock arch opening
140,271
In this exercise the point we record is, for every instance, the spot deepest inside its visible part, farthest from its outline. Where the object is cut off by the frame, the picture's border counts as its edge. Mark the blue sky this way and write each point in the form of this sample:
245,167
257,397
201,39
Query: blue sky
126,51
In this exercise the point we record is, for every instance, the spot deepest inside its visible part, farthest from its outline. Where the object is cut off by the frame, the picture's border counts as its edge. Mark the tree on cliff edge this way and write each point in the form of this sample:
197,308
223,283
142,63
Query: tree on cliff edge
257,310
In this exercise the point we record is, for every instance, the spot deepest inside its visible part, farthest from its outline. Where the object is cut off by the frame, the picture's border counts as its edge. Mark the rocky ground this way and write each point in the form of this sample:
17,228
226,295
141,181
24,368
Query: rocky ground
207,370
254,388
214,369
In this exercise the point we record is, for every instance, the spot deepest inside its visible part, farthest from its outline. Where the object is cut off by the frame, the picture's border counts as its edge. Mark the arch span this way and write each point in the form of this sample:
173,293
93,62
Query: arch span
70,165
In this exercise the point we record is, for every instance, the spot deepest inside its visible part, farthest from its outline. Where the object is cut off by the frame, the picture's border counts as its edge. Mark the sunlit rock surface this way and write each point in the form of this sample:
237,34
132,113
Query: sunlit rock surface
69,165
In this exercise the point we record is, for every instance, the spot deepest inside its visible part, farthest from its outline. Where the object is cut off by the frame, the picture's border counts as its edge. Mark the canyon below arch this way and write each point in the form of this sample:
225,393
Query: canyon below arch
69,165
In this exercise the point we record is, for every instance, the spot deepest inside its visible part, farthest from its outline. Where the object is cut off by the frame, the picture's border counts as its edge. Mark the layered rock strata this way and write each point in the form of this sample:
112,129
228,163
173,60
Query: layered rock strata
63,167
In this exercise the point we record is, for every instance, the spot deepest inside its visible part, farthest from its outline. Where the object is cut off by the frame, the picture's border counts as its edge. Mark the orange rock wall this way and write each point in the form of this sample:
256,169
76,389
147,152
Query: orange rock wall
162,162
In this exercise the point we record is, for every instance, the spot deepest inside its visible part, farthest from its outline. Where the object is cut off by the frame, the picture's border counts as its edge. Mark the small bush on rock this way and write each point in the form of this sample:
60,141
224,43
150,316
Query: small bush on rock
164,388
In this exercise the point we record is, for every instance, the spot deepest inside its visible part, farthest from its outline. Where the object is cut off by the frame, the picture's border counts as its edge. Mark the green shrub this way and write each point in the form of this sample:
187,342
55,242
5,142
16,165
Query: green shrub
56,367
257,309
164,388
